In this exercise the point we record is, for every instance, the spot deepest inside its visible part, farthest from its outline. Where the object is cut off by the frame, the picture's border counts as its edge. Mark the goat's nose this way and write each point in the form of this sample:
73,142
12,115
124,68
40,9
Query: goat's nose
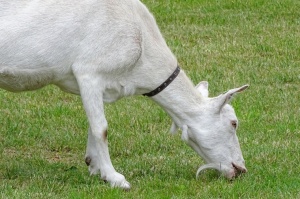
244,170
241,169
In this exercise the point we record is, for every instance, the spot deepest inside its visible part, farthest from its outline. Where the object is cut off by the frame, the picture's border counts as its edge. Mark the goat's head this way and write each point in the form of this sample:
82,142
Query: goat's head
213,133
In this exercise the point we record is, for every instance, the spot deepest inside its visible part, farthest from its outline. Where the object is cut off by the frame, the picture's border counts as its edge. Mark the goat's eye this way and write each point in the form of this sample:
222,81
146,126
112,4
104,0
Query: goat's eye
234,123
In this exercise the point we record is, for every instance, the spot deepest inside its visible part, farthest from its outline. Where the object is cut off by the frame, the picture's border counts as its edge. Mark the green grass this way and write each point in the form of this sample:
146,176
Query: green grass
228,43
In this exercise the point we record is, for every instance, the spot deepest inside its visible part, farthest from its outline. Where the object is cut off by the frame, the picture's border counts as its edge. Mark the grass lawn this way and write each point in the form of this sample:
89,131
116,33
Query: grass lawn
227,43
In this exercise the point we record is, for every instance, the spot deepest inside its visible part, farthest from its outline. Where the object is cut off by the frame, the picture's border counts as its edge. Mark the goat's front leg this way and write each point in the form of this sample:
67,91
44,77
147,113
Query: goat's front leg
97,154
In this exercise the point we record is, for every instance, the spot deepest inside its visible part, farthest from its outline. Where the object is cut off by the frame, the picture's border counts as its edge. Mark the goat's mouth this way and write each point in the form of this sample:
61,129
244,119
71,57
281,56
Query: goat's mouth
209,166
229,173
238,169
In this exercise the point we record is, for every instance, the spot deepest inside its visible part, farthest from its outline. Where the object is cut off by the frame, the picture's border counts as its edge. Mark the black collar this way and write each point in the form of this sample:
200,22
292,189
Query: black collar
164,84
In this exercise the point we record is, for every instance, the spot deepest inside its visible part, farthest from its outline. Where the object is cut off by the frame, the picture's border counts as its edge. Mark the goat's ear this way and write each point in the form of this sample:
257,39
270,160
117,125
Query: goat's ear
202,87
227,97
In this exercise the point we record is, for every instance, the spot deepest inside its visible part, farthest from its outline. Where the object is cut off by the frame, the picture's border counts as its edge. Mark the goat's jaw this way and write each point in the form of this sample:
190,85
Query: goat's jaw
208,166
229,172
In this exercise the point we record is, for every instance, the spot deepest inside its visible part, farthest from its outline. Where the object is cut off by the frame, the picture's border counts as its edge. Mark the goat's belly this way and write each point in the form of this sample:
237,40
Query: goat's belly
17,80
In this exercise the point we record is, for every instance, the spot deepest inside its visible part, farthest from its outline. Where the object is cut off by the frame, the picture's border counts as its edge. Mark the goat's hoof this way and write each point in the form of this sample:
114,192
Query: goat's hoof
117,180
123,185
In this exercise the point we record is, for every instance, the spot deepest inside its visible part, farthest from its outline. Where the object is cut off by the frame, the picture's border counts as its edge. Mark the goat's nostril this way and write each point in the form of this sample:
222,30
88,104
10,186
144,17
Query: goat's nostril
244,170
239,169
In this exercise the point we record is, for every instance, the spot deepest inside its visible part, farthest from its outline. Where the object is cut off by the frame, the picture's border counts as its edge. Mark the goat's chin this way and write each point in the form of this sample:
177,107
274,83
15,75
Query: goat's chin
208,166
228,172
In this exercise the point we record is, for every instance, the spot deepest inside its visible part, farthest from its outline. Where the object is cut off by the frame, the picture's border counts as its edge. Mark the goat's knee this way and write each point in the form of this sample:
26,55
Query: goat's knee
99,136
97,151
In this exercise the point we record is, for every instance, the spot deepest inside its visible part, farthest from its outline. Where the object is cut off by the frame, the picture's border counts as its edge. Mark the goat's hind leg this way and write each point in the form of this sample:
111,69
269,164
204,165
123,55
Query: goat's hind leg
97,153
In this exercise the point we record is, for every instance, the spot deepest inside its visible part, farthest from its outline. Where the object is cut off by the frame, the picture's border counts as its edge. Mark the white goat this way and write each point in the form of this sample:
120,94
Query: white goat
103,50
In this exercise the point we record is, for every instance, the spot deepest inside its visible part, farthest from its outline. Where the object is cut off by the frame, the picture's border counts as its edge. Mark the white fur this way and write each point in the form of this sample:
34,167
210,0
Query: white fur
104,50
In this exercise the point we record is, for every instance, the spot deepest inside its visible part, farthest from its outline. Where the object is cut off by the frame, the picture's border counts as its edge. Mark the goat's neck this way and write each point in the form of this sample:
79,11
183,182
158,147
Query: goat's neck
180,99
